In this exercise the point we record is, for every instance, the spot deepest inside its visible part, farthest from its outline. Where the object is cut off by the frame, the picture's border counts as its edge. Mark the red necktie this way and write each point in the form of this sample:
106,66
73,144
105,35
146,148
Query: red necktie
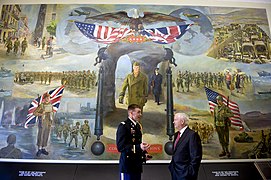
177,139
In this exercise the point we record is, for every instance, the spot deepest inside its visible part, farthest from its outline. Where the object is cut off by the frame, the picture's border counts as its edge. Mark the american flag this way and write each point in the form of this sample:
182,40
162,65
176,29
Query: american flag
103,34
211,96
166,35
55,96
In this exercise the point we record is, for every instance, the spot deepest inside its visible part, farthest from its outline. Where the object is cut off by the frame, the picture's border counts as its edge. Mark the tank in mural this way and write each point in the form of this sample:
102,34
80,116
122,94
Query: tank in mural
65,71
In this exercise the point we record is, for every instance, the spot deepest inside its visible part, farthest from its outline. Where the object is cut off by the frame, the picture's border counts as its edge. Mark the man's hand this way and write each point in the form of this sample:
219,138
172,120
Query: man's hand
144,146
121,99
121,96
148,157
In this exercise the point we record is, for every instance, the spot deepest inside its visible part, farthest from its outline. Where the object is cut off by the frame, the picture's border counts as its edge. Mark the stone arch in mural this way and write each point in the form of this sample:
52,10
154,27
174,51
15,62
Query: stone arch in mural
149,55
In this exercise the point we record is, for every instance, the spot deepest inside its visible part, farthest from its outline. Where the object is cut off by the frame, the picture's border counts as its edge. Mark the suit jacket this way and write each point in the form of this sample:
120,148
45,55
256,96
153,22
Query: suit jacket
186,156
156,83
129,138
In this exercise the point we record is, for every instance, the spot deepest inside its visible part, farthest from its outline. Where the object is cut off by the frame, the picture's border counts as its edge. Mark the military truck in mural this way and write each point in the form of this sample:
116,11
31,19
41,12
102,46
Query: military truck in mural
261,50
242,43
247,52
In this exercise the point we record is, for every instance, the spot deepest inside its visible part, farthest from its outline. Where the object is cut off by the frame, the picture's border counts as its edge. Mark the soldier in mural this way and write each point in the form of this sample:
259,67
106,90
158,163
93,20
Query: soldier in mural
59,131
187,80
228,80
50,76
261,149
237,81
43,43
222,123
9,46
24,46
66,130
49,49
10,151
137,84
156,82
85,133
220,80
46,113
64,78
180,81
16,46
74,134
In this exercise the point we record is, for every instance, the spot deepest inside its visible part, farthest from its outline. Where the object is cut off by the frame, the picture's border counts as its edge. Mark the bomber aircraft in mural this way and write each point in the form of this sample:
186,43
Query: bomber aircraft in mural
189,54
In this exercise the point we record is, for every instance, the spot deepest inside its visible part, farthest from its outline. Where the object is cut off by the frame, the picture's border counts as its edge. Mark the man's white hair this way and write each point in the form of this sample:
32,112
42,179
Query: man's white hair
183,116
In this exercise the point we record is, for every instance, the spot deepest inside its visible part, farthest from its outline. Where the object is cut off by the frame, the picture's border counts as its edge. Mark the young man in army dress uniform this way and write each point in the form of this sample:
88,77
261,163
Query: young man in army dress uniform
222,113
130,145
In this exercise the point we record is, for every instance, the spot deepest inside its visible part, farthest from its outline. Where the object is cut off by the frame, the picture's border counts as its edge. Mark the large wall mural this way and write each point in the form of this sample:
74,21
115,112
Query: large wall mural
63,86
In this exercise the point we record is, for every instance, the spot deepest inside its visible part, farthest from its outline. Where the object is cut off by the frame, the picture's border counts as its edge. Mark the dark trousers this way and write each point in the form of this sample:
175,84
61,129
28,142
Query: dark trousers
157,98
130,176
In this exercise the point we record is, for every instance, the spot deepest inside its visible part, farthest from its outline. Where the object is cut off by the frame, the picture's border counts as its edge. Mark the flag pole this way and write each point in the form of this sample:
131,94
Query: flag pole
170,112
98,147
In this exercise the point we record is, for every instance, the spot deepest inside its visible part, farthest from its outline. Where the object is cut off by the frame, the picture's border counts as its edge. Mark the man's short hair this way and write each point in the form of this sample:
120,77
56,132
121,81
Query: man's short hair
136,64
133,107
46,95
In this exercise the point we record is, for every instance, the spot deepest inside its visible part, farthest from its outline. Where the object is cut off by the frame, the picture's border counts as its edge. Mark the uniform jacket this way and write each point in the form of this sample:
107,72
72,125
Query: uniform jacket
129,138
221,115
186,156
137,89
47,118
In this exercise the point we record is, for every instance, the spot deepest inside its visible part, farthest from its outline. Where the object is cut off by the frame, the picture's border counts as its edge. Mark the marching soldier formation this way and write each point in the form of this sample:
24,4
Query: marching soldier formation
185,80
82,80
65,131
73,80
17,46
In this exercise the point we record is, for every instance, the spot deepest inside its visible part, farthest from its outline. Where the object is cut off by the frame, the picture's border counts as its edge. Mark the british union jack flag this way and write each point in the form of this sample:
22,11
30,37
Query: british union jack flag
55,97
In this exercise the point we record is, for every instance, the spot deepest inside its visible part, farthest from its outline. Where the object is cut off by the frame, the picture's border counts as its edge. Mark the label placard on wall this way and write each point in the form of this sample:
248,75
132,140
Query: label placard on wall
223,171
11,171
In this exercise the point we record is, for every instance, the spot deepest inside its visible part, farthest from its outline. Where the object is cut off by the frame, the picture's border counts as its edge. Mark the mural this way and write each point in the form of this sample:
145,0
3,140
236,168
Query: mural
64,91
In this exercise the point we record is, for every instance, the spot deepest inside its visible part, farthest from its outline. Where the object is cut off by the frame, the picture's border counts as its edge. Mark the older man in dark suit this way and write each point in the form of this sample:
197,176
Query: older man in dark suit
187,152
